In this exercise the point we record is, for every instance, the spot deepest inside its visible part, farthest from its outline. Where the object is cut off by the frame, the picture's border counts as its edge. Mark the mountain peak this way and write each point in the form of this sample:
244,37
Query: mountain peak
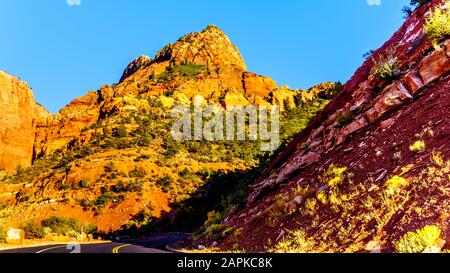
135,65
210,47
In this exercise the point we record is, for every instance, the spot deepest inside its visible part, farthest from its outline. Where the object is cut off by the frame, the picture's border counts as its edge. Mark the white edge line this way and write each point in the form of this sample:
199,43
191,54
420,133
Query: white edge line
50,248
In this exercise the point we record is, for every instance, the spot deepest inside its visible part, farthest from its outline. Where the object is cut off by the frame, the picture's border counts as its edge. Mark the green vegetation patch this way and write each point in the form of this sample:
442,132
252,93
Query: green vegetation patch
418,241
437,25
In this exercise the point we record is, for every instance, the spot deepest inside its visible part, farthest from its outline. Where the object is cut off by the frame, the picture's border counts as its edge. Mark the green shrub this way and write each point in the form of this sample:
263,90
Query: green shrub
103,199
437,25
214,218
165,183
185,172
395,184
60,225
107,144
144,141
418,241
134,187
344,118
85,203
84,184
85,151
119,187
137,173
189,70
32,230
171,146
2,233
65,187
295,242
418,147
386,67
67,226
335,175
120,132
130,187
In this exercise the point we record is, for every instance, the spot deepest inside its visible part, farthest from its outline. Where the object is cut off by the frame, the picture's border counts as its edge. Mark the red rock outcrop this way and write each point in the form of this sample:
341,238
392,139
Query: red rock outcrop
256,85
134,66
221,69
57,131
211,48
20,114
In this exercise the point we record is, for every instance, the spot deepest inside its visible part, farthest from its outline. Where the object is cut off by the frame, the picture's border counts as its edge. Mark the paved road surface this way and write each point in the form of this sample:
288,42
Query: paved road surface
153,244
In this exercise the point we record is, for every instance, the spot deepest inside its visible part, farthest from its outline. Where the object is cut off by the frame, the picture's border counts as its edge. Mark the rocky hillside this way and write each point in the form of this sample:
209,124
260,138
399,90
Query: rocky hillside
371,172
108,158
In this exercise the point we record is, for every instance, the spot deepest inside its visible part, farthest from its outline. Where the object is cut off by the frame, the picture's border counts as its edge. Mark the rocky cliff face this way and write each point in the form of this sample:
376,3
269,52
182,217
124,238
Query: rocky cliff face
356,178
203,63
55,132
134,66
20,115
211,48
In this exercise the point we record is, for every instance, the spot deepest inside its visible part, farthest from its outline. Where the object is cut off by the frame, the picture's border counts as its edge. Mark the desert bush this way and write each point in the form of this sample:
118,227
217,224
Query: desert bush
107,144
171,146
84,184
334,176
32,230
120,187
407,11
122,144
134,187
344,118
120,132
395,184
67,226
2,233
189,70
437,158
437,25
387,67
165,183
84,152
214,218
368,54
85,203
418,241
137,173
60,225
418,147
103,199
216,232
295,242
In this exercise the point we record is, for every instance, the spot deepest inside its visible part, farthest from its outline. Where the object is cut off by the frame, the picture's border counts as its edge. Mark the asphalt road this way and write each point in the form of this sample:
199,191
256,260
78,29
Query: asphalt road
153,244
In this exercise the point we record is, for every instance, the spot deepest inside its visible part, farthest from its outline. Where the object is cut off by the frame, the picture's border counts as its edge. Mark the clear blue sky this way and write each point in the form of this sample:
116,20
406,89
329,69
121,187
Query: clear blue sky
63,51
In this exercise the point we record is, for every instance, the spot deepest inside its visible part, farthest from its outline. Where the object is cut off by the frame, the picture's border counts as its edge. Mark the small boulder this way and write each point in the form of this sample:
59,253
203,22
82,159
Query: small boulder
373,247
201,247
15,236
434,66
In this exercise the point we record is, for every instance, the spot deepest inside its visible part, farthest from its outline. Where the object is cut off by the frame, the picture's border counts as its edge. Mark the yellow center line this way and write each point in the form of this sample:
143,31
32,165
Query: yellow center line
116,249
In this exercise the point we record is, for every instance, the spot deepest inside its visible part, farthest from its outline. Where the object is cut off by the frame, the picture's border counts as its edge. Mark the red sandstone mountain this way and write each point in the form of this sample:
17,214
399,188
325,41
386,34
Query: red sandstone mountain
19,115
